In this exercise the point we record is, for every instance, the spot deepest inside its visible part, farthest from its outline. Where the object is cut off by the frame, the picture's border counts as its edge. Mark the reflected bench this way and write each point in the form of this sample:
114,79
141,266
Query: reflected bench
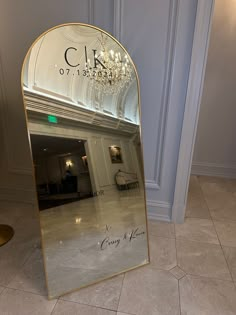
126,180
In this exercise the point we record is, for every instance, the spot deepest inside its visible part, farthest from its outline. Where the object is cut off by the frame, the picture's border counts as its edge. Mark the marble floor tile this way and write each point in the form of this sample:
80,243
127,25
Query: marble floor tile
230,255
220,196
31,277
87,240
218,184
1,289
216,197
177,272
105,294
200,230
226,231
162,252
162,229
196,205
71,308
199,296
119,313
16,302
225,212
15,253
149,291
13,211
202,259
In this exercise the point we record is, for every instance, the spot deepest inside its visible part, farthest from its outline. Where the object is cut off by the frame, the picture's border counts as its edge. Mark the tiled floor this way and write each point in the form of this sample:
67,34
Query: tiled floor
192,270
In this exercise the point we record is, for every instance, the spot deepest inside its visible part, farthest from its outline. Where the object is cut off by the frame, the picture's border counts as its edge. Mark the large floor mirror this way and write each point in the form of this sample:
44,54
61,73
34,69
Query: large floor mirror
81,94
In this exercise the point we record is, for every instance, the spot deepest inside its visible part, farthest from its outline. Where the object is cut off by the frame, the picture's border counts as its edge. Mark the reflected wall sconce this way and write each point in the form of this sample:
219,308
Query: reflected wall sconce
69,163
85,161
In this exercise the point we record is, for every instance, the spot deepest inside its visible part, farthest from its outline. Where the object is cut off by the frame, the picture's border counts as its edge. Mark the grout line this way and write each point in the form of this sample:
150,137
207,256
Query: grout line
25,291
86,304
176,256
205,277
184,239
180,308
120,292
54,307
21,268
4,289
93,306
168,238
218,237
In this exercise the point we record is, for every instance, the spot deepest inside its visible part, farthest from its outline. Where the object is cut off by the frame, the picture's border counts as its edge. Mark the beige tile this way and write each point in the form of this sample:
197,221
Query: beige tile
196,211
71,308
149,291
31,277
220,199
227,211
177,272
194,185
105,294
119,313
207,296
15,253
15,302
196,204
218,184
201,230
110,237
1,289
162,252
162,229
202,259
11,212
226,231
230,255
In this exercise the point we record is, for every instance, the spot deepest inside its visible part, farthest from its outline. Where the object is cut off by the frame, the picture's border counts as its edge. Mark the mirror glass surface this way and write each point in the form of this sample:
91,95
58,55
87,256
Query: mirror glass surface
81,95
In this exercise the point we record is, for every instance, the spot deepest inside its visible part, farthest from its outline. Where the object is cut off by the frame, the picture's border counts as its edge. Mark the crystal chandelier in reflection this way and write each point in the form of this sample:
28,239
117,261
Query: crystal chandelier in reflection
111,71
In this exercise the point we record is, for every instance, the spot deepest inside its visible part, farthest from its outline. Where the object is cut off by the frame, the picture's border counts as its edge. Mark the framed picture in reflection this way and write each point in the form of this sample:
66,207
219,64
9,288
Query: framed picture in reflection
115,154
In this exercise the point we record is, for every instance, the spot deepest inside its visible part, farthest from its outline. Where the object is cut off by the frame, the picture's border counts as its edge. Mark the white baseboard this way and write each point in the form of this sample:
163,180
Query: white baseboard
213,169
158,210
17,195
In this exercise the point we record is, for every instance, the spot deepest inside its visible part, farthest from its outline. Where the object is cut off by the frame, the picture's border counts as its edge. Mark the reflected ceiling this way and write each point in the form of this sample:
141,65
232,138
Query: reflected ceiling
45,60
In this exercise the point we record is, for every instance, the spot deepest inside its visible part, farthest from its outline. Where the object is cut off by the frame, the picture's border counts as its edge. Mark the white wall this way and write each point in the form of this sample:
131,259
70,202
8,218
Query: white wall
215,147
158,35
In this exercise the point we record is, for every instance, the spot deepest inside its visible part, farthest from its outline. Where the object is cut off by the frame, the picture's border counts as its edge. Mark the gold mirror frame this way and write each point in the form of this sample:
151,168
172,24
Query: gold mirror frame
50,296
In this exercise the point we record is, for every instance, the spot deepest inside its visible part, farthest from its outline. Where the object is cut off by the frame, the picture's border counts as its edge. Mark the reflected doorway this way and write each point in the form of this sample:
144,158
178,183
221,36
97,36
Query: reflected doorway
61,170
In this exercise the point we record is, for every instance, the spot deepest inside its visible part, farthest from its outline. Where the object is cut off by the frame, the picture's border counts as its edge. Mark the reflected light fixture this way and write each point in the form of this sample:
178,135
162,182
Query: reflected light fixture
69,163
111,72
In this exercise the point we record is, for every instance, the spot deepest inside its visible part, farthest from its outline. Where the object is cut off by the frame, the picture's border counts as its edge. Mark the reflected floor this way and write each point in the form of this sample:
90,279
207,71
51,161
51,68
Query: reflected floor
94,238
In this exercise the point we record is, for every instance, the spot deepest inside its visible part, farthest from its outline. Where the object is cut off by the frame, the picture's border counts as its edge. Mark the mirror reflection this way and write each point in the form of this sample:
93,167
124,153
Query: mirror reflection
81,94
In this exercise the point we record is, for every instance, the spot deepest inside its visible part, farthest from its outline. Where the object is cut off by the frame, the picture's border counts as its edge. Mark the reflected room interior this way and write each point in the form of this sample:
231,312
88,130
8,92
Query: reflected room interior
81,94
61,170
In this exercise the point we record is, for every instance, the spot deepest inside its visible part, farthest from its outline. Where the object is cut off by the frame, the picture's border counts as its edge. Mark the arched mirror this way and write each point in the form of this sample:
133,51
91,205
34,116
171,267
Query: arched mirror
81,94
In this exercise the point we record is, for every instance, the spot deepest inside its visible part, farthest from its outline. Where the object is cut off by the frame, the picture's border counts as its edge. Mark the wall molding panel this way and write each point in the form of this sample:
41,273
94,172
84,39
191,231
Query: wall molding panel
12,164
117,26
91,11
213,169
159,210
155,183
192,106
